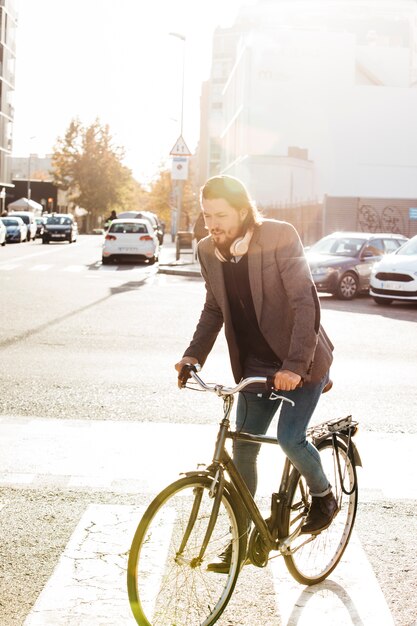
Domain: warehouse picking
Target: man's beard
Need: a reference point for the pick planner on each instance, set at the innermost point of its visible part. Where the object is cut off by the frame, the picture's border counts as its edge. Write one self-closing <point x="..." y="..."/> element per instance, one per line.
<point x="224" y="246"/>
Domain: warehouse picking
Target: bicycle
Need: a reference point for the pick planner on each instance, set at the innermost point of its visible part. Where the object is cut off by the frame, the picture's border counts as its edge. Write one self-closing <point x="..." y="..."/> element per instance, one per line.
<point x="202" y="513"/>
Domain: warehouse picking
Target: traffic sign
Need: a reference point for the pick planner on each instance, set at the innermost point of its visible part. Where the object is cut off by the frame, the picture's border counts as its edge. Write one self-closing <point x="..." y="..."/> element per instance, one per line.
<point x="180" y="148"/>
<point x="179" y="168"/>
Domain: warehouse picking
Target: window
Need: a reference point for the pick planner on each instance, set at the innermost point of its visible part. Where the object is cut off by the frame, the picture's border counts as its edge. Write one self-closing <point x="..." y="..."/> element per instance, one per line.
<point x="129" y="228"/>
<point x="391" y="245"/>
<point x="375" y="248"/>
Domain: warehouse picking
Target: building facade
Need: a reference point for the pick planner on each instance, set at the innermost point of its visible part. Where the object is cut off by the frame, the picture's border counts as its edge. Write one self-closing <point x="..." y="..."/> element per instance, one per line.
<point x="8" y="23"/>
<point x="320" y="99"/>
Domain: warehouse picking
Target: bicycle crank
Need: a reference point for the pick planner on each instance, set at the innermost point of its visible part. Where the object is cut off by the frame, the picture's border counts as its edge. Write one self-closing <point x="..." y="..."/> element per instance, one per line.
<point x="257" y="550"/>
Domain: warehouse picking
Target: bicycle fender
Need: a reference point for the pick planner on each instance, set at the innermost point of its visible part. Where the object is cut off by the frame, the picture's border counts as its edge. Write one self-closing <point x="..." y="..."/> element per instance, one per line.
<point x="353" y="450"/>
<point x="210" y="475"/>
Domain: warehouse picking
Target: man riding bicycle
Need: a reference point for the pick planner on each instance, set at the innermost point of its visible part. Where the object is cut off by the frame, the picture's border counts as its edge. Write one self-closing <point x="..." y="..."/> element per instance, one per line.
<point x="258" y="284"/>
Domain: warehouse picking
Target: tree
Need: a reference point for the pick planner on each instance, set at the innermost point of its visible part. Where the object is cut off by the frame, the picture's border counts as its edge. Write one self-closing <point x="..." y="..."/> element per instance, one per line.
<point x="159" y="197"/>
<point x="160" y="200"/>
<point x="87" y="165"/>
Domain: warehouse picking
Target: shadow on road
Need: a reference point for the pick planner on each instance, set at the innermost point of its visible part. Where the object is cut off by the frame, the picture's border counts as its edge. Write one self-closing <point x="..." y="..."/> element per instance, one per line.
<point x="6" y="343"/>
<point x="406" y="311"/>
<point x="328" y="586"/>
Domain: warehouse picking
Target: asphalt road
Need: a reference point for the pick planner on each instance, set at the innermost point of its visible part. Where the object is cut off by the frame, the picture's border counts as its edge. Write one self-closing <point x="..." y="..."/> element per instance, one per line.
<point x="81" y="343"/>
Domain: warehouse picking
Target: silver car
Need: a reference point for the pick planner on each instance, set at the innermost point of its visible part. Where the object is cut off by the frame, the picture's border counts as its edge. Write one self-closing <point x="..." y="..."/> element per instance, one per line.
<point x="341" y="263"/>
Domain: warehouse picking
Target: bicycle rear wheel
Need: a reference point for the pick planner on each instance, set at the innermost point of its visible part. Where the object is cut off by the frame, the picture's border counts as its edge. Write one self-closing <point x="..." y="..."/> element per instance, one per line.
<point x="313" y="557"/>
<point x="168" y="584"/>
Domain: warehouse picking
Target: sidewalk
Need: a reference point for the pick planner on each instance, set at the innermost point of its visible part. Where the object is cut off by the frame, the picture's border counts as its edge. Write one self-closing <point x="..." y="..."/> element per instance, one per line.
<point x="186" y="264"/>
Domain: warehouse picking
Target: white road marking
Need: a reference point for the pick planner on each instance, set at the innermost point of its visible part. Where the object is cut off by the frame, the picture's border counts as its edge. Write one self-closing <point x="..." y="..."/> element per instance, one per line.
<point x="16" y="478"/>
<point x="88" y="586"/>
<point x="125" y="458"/>
<point x="25" y="257"/>
<point x="74" y="268"/>
<point x="350" y="596"/>
<point x="40" y="268"/>
<point x="98" y="271"/>
<point x="9" y="266"/>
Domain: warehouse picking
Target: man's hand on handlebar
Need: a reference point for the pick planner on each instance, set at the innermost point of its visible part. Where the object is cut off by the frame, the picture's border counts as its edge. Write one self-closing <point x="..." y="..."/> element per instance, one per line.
<point x="284" y="380"/>
<point x="183" y="371"/>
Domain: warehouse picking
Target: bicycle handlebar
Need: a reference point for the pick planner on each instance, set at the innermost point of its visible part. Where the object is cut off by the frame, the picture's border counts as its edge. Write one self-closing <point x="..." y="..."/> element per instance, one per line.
<point x="190" y="371"/>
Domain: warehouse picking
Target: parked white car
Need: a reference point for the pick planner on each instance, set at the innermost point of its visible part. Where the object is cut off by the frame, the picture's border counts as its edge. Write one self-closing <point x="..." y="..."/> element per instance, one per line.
<point x="395" y="276"/>
<point x="29" y="219"/>
<point x="130" y="240"/>
<point x="146" y="215"/>
<point x="3" y="233"/>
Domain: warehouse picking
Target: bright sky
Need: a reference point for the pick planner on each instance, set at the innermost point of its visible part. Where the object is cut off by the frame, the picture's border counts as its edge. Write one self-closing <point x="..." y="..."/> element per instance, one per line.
<point x="117" y="61"/>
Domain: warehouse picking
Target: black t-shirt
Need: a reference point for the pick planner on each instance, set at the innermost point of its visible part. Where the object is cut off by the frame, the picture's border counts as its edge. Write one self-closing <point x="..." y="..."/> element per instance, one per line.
<point x="250" y="340"/>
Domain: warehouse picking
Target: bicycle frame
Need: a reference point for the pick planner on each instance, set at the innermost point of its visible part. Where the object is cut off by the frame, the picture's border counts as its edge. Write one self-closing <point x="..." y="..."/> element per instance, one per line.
<point x="223" y="461"/>
<point x="172" y="575"/>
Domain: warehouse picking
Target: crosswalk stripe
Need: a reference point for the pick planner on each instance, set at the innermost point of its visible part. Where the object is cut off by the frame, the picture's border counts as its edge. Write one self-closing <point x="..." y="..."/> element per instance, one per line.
<point x="350" y="595"/>
<point x="40" y="268"/>
<point x="63" y="453"/>
<point x="74" y="268"/>
<point x="9" y="266"/>
<point x="88" y="585"/>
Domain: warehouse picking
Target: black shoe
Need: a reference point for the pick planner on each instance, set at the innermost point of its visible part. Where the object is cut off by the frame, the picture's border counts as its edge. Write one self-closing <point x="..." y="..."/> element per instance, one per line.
<point x="222" y="564"/>
<point x="321" y="514"/>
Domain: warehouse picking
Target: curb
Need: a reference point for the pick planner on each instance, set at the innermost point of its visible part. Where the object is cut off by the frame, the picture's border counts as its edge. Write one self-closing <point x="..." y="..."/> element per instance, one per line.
<point x="179" y="271"/>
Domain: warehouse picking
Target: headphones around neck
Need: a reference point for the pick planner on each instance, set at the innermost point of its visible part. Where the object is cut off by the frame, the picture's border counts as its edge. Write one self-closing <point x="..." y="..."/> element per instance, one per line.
<point x="239" y="247"/>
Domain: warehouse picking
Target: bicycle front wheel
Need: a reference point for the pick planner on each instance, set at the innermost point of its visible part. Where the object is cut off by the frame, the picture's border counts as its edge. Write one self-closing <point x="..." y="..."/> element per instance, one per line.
<point x="312" y="557"/>
<point x="168" y="580"/>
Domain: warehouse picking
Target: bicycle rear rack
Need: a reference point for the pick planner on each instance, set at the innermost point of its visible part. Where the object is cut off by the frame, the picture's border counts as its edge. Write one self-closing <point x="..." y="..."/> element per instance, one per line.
<point x="340" y="425"/>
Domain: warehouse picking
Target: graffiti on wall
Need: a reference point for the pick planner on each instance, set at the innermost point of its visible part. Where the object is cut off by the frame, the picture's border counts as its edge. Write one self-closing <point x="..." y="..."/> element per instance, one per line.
<point x="387" y="220"/>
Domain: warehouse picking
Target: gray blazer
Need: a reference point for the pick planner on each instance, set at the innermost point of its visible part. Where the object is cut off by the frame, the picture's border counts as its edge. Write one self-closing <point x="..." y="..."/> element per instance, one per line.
<point x="285" y="300"/>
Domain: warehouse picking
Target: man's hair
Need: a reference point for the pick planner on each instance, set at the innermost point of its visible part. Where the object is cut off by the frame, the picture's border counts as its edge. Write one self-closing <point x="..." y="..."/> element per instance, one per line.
<point x="235" y="193"/>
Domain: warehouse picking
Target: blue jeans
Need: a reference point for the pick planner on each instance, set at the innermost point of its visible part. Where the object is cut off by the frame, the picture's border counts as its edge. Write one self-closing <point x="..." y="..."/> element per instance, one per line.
<point x="254" y="415"/>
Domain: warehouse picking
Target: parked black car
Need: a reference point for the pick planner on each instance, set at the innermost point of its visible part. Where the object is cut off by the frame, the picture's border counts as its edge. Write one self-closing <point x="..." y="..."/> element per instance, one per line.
<point x="60" y="227"/>
<point x="341" y="263"/>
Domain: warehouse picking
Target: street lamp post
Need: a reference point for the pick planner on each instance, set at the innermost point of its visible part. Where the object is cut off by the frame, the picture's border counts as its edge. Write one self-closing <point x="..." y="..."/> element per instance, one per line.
<point x="29" y="189"/>
<point x="29" y="163"/>
<point x="3" y="200"/>
<point x="182" y="37"/>
<point x="179" y="183"/>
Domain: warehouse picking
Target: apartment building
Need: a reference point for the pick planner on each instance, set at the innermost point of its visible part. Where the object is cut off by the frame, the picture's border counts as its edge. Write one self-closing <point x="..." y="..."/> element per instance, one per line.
<point x="309" y="98"/>
<point x="8" y="23"/>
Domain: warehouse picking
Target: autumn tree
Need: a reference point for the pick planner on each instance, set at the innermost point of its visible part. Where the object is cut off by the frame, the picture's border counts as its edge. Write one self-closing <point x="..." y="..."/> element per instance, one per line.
<point x="87" y="165"/>
<point x="161" y="199"/>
